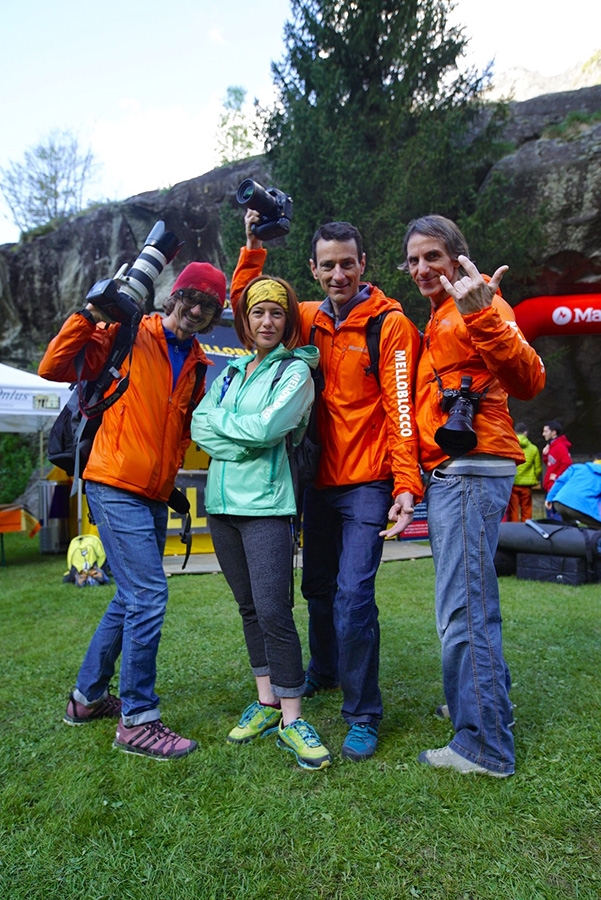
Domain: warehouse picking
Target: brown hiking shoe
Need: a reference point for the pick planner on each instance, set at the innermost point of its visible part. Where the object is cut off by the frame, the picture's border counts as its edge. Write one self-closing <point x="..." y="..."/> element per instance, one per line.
<point x="152" y="739"/>
<point x="108" y="707"/>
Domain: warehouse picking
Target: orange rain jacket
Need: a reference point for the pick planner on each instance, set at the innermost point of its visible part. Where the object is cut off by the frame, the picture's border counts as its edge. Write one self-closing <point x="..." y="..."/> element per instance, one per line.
<point x="489" y="346"/>
<point x="368" y="433"/>
<point x="141" y="442"/>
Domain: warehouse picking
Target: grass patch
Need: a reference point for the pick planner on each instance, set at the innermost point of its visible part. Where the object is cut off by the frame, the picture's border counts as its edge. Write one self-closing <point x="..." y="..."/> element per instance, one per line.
<point x="79" y="820"/>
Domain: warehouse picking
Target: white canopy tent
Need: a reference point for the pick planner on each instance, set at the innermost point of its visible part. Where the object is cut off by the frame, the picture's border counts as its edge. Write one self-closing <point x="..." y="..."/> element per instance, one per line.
<point x="29" y="403"/>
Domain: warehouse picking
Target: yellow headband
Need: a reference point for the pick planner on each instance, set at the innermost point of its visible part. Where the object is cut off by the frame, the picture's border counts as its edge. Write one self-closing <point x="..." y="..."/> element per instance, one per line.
<point x="267" y="292"/>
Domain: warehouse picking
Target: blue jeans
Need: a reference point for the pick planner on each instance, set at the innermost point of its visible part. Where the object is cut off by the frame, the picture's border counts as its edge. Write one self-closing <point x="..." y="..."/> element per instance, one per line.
<point x="133" y="530"/>
<point x="341" y="554"/>
<point x="464" y="514"/>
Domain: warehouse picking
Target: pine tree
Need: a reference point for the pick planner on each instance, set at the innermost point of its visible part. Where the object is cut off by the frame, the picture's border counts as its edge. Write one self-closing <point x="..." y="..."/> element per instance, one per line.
<point x="374" y="125"/>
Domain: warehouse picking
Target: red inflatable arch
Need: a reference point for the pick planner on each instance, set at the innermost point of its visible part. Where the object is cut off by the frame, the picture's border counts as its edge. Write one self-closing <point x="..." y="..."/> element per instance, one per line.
<point x="558" y="315"/>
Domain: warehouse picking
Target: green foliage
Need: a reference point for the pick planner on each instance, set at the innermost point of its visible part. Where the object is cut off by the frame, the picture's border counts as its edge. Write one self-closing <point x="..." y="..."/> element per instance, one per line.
<point x="231" y="232"/>
<point x="48" y="186"/>
<point x="376" y="125"/>
<point x="500" y="233"/>
<point x="78" y="819"/>
<point x="365" y="92"/>
<point x="573" y="124"/>
<point x="236" y="135"/>
<point x="17" y="460"/>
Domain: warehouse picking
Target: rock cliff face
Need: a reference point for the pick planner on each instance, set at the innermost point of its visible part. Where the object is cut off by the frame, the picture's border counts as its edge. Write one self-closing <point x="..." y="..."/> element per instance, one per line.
<point x="44" y="280"/>
<point x="556" y="163"/>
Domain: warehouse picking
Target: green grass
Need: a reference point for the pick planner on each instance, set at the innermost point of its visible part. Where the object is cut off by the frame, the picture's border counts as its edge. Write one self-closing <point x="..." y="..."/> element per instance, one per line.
<point x="79" y="820"/>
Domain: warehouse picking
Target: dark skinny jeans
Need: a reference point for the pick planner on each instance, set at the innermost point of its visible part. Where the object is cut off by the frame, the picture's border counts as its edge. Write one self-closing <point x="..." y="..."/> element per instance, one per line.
<point x="255" y="555"/>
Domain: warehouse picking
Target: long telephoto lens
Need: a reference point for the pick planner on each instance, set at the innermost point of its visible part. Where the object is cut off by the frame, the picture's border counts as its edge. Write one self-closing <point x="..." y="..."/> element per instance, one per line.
<point x="160" y="248"/>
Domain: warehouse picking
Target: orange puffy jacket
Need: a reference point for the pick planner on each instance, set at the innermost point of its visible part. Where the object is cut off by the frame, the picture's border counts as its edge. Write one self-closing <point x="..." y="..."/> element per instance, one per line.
<point x="141" y="442"/>
<point x="489" y="346"/>
<point x="367" y="432"/>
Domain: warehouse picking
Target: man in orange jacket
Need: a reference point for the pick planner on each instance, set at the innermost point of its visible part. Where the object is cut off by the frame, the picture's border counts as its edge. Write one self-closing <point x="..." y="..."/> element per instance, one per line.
<point x="473" y="356"/>
<point x="369" y="461"/>
<point x="129" y="477"/>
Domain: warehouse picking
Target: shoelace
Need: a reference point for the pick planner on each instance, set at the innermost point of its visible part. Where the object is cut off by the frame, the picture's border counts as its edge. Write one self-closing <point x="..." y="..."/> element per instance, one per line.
<point x="441" y="752"/>
<point x="153" y="733"/>
<point x="249" y="713"/>
<point x="306" y="732"/>
<point x="109" y="705"/>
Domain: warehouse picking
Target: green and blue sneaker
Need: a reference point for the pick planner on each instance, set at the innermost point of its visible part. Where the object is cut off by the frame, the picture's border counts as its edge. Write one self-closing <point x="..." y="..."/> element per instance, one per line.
<point x="255" y="722"/>
<point x="360" y="742"/>
<point x="301" y="739"/>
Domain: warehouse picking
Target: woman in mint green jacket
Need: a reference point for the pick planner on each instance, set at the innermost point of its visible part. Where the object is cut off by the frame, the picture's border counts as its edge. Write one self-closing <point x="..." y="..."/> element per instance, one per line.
<point x="242" y="424"/>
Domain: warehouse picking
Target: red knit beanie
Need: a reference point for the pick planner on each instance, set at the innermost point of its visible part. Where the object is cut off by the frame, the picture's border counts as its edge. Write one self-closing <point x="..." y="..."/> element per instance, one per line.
<point x="202" y="276"/>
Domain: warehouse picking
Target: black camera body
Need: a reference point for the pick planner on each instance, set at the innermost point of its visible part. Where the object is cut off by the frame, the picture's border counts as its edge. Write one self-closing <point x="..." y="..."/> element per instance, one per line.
<point x="274" y="207"/>
<point x="123" y="296"/>
<point x="457" y="437"/>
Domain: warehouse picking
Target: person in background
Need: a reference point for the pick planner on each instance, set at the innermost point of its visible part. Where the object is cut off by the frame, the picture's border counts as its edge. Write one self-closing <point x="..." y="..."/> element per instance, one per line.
<point x="368" y="473"/>
<point x="556" y="453"/>
<point x="129" y="477"/>
<point x="469" y="450"/>
<point x="527" y="476"/>
<point x="242" y="424"/>
<point x="576" y="494"/>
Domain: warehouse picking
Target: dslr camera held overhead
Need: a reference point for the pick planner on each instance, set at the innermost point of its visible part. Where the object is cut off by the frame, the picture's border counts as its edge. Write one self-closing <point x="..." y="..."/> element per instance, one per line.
<point x="274" y="207"/>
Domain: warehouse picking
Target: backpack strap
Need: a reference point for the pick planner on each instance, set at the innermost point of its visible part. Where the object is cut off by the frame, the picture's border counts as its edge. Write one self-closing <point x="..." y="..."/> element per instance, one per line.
<point x="123" y="346"/>
<point x="374" y="327"/>
<point x="226" y="383"/>
<point x="178" y="501"/>
<point x="98" y="404"/>
<point x="201" y="371"/>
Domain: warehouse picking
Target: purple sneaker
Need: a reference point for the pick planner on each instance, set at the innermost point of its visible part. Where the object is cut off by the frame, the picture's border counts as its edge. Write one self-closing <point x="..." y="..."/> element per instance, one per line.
<point x="152" y="739"/>
<point x="108" y="707"/>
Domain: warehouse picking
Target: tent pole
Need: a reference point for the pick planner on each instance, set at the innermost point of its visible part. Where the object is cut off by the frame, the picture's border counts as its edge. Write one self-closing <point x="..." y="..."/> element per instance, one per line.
<point x="41" y="452"/>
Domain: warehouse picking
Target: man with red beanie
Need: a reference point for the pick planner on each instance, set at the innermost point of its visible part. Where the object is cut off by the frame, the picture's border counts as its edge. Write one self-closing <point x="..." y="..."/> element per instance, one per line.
<point x="129" y="477"/>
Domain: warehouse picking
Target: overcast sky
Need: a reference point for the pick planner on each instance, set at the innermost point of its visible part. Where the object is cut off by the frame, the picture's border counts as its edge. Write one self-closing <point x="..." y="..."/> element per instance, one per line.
<point x="142" y="82"/>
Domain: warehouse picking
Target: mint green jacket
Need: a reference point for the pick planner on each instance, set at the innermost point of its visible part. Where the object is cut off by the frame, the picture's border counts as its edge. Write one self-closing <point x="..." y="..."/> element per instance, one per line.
<point x="244" y="432"/>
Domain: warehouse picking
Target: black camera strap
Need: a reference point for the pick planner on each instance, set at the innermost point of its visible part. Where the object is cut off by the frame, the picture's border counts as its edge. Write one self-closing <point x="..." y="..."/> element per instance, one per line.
<point x="94" y="408"/>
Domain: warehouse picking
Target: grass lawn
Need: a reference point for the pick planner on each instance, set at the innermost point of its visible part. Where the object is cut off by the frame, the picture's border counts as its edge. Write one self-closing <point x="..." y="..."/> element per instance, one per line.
<point x="80" y="820"/>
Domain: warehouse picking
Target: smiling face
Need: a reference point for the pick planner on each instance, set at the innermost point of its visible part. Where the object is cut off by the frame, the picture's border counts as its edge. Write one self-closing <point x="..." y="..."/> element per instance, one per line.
<point x="338" y="270"/>
<point x="428" y="259"/>
<point x="192" y="313"/>
<point x="267" y="323"/>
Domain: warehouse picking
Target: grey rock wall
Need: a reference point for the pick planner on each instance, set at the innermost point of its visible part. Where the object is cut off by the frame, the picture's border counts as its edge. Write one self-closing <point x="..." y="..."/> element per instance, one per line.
<point x="43" y="280"/>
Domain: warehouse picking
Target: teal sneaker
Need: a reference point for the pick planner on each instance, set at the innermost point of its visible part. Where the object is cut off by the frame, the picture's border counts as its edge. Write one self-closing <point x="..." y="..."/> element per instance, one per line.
<point x="360" y="742"/>
<point x="301" y="739"/>
<point x="256" y="721"/>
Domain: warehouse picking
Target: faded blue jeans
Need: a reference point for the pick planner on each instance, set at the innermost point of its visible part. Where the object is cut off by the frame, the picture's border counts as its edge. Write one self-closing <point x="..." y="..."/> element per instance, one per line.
<point x="133" y="530"/>
<point x="464" y="514"/>
<point x="341" y="554"/>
